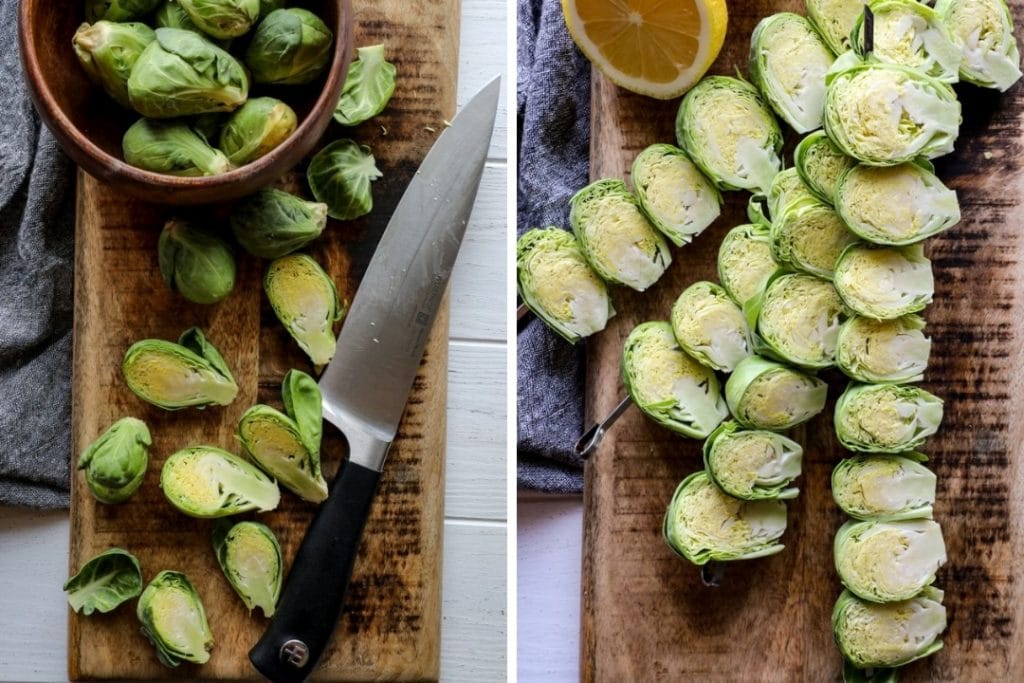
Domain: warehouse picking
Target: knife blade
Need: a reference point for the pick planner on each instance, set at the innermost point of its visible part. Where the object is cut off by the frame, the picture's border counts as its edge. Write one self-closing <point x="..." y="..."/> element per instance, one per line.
<point x="367" y="383"/>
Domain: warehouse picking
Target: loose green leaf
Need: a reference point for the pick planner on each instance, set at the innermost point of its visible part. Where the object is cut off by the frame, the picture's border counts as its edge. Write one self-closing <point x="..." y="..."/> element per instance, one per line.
<point x="368" y="87"/>
<point x="339" y="175"/>
<point x="104" y="582"/>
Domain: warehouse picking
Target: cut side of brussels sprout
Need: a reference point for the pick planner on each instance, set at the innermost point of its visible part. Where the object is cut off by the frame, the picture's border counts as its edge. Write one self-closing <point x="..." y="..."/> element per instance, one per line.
<point x="171" y="147"/>
<point x="368" y="87"/>
<point x="711" y="327"/>
<point x="108" y="51"/>
<point x="704" y="524"/>
<point x="557" y="284"/>
<point x="893" y="351"/>
<point x="290" y="46"/>
<point x="256" y="128"/>
<point x="274" y="442"/>
<point x="208" y="482"/>
<point x="809" y="236"/>
<point x="892" y="634"/>
<point x="763" y="394"/>
<point x="820" y="164"/>
<point x="195" y="263"/>
<point x="835" y="20"/>
<point x="786" y="188"/>
<point x="752" y="464"/>
<point x="910" y="33"/>
<point x="172" y="376"/>
<point x="174" y="621"/>
<point x="306" y="302"/>
<point x="272" y="223"/>
<point x="798" y="320"/>
<point x="884" y="487"/>
<point x="115" y="464"/>
<point x="888" y="561"/>
<point x="745" y="262"/>
<point x="886" y="418"/>
<point x="250" y="557"/>
<point x="884" y="282"/>
<point x="340" y="176"/>
<point x="674" y="194"/>
<point x="668" y="385"/>
<point x="983" y="29"/>
<point x="222" y="18"/>
<point x="104" y="582"/>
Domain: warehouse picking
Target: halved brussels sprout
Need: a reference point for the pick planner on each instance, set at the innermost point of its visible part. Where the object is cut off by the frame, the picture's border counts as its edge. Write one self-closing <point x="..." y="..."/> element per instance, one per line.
<point x="289" y="47"/>
<point x="104" y="582"/>
<point x="250" y="557"/>
<point x="983" y="29"/>
<point x="884" y="487"/>
<point x="108" y="51"/>
<point x="675" y="196"/>
<point x="209" y="482"/>
<point x="339" y="175"/>
<point x="835" y="20"/>
<point x="730" y="133"/>
<point x="910" y="33"/>
<point x="171" y="147"/>
<point x="174" y="621"/>
<point x="788" y="62"/>
<point x="786" y="188"/>
<point x="368" y="87"/>
<point x="895" y="205"/>
<point x="306" y="302"/>
<point x="820" y="165"/>
<point x="809" y="236"/>
<point x="557" y="284"/>
<point x="171" y="376"/>
<point x="115" y="464"/>
<point x="222" y="18"/>
<point x="256" y="128"/>
<point x="615" y="236"/>
<point x="885" y="114"/>
<point x="668" y="385"/>
<point x="884" y="282"/>
<point x="893" y="351"/>
<point x="118" y="10"/>
<point x="798" y="319"/>
<point x="704" y="524"/>
<point x="195" y="263"/>
<point x="711" y="327"/>
<point x="888" y="561"/>
<point x="891" y="634"/>
<point x="886" y="418"/>
<point x="763" y="394"/>
<point x="745" y="262"/>
<point x="752" y="464"/>
<point x="272" y="223"/>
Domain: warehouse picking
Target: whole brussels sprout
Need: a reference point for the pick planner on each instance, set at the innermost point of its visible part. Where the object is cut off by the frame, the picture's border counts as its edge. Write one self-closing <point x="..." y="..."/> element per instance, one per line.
<point x="888" y="561"/>
<point x="835" y="20"/>
<point x="368" y="87"/>
<point x="208" y="482"/>
<point x="108" y="51"/>
<point x="115" y="464"/>
<point x="886" y="418"/>
<point x="983" y="29"/>
<point x="912" y="34"/>
<point x="306" y="302"/>
<point x="170" y="14"/>
<point x="809" y="236"/>
<point x="290" y="47"/>
<point x="174" y="621"/>
<point x="104" y="582"/>
<point x="766" y="395"/>
<point x="195" y="263"/>
<point x="798" y="320"/>
<point x="250" y="557"/>
<point x="745" y="263"/>
<point x="339" y="175"/>
<point x="752" y="464"/>
<point x="891" y="634"/>
<point x="256" y="128"/>
<point x="222" y="18"/>
<point x="710" y="327"/>
<point x="118" y="10"/>
<point x="894" y="351"/>
<point x="675" y="196"/>
<point x="171" y="376"/>
<point x="273" y="223"/>
<point x="884" y="487"/>
<point x="171" y="147"/>
<point x="884" y="282"/>
<point x="820" y="164"/>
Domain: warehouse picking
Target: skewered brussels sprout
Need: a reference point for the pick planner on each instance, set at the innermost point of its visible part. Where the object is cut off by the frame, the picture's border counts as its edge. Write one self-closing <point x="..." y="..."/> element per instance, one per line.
<point x="752" y="464"/>
<point x="171" y="376"/>
<point x="256" y="128"/>
<point x="250" y="557"/>
<point x="711" y="327"/>
<point x="617" y="240"/>
<point x="668" y="385"/>
<point x="835" y="20"/>
<point x="729" y="132"/>
<point x="983" y="29"/>
<point x="786" y="188"/>
<point x="894" y="351"/>
<point x="892" y="634"/>
<point x="895" y="205"/>
<point x="675" y="196"/>
<point x="888" y="561"/>
<point x="704" y="524"/>
<point x="884" y="487"/>
<point x="290" y="47"/>
<point x="556" y="283"/>
<point x="798" y="319"/>
<point x="306" y="302"/>
<point x="272" y="223"/>
<point x="195" y="263"/>
<point x="368" y="87"/>
<point x="339" y="175"/>
<point x="809" y="236"/>
<point x="208" y="482"/>
<point x="884" y="282"/>
<point x="174" y="621"/>
<point x="910" y="33"/>
<point x="788" y="62"/>
<point x="181" y="73"/>
<point x="820" y="165"/>
<point x="104" y="582"/>
<point x="766" y="395"/>
<point x="108" y="51"/>
<point x="115" y="464"/>
<point x="745" y="262"/>
<point x="118" y="10"/>
<point x="222" y="18"/>
<point x="886" y="418"/>
<point x="171" y="147"/>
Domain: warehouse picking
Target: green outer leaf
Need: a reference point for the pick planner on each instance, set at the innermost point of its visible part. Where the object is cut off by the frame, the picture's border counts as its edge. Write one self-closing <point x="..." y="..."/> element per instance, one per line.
<point x="195" y="341"/>
<point x="938" y="55"/>
<point x="256" y="128"/>
<point x="222" y="18"/>
<point x="108" y="51"/>
<point x="104" y="582"/>
<point x="757" y="209"/>
<point x="171" y="148"/>
<point x="803" y="404"/>
<point x="998" y="67"/>
<point x="673" y="193"/>
<point x="858" y="344"/>
<point x="285" y="456"/>
<point x="303" y="403"/>
<point x="852" y="559"/>
<point x="368" y="87"/>
<point x="118" y="10"/>
<point x="209" y="482"/>
<point x="746" y="251"/>
<point x="693" y="316"/>
<point x="289" y="47"/>
<point x="851" y="608"/>
<point x="272" y="223"/>
<point x="198" y="628"/>
<point x="834" y="20"/>
<point x="785" y="189"/>
<point x="195" y="263"/>
<point x="339" y="175"/>
<point x="860" y="402"/>
<point x="855" y="286"/>
<point x="115" y="463"/>
<point x="820" y="164"/>
<point x="225" y="533"/>
<point x="714" y="462"/>
<point x="850" y="486"/>
<point x="314" y="336"/>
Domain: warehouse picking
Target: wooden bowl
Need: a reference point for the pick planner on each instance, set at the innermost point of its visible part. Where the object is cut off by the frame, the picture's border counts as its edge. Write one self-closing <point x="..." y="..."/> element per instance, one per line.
<point x="89" y="125"/>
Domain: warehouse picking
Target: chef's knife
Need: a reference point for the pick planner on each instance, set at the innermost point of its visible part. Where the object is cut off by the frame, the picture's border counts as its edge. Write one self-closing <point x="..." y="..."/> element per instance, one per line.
<point x="366" y="385"/>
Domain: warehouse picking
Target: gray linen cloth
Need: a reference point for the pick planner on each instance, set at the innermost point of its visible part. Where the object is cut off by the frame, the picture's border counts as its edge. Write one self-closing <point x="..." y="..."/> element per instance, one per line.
<point x="36" y="271"/>
<point x="553" y="99"/>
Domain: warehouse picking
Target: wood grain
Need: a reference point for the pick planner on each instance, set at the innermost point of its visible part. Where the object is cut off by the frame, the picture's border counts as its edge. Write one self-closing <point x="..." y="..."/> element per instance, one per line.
<point x="646" y="615"/>
<point x="391" y="627"/>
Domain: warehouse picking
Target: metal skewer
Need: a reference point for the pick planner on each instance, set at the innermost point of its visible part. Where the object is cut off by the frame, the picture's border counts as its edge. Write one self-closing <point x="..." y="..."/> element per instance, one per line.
<point x="591" y="439"/>
<point x="712" y="573"/>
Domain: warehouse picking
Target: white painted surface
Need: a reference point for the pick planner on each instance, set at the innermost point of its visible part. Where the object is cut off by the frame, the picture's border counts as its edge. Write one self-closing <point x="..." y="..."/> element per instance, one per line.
<point x="33" y="545"/>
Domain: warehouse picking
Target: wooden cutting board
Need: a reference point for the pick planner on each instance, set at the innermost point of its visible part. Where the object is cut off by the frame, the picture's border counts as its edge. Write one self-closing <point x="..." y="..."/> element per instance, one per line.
<point x="646" y="615"/>
<point x="391" y="626"/>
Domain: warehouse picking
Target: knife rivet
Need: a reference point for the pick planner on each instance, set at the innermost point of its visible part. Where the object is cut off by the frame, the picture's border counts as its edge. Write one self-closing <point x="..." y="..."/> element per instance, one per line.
<point x="295" y="653"/>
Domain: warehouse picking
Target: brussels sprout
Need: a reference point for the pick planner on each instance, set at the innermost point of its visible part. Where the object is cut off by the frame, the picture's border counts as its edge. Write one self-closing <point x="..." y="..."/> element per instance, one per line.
<point x="886" y="418"/>
<point x="222" y="18"/>
<point x="368" y="87"/>
<point x="704" y="524"/>
<point x="885" y="114"/>
<point x="884" y="487"/>
<point x="892" y="634"/>
<point x="306" y="302"/>
<point x="268" y="6"/>
<point x="271" y="224"/>
<point x="763" y="394"/>
<point x="895" y="205"/>
<point x="115" y="463"/>
<point x="808" y="235"/>
<point x="729" y="132"/>
<point x="340" y="175"/>
<point x="835" y="20"/>
<point x="170" y="14"/>
<point x="745" y="262"/>
<point x="617" y="240"/>
<point x="788" y="62"/>
<point x="208" y="482"/>
<point x="195" y="263"/>
<point x="171" y="376"/>
<point x="852" y="674"/>
<point x="118" y="10"/>
<point x="182" y="73"/>
<point x="820" y="164"/>
<point x="171" y="147"/>
<point x="710" y="327"/>
<point x="174" y="621"/>
<point x="888" y="561"/>
<point x="556" y="283"/>
<point x="250" y="557"/>
<point x="884" y="282"/>
<point x="786" y="188"/>
<point x="290" y="47"/>
<point x="208" y="126"/>
<point x="752" y="464"/>
<point x="668" y="385"/>
<point x="255" y="129"/>
<point x="104" y="582"/>
<point x="798" y="319"/>
<point x="983" y="29"/>
<point x="912" y="34"/>
<point x="894" y="351"/>
<point x="675" y="196"/>
<point x="108" y="51"/>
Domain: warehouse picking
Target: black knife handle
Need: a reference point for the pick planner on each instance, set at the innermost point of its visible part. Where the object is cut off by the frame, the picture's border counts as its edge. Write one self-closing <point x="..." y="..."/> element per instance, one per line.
<point x="314" y="593"/>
